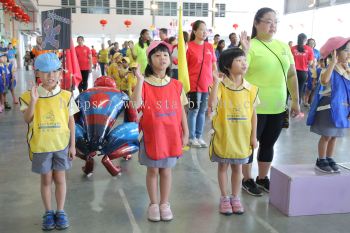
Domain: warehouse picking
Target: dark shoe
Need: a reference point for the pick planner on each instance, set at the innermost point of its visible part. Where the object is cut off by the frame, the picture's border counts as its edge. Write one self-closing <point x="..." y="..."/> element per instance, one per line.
<point x="264" y="184"/>
<point x="48" y="221"/>
<point x="61" y="220"/>
<point x="7" y="106"/>
<point x="250" y="187"/>
<point x="322" y="165"/>
<point x="333" y="165"/>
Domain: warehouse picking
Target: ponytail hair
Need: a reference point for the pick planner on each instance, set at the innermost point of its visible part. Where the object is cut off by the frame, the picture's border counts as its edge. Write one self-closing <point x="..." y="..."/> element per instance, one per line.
<point x="301" y="38"/>
<point x="195" y="26"/>
<point x="141" y="43"/>
<point x="259" y="14"/>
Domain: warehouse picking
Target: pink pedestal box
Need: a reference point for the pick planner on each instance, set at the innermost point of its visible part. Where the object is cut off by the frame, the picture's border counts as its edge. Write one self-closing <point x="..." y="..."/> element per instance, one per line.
<point x="298" y="190"/>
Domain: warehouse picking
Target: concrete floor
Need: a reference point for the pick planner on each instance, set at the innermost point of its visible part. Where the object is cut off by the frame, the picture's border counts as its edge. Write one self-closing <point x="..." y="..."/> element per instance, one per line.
<point x="103" y="203"/>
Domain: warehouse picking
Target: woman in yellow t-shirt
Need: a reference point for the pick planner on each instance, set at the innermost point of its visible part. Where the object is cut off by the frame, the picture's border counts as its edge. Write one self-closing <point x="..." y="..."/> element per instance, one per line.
<point x="103" y="58"/>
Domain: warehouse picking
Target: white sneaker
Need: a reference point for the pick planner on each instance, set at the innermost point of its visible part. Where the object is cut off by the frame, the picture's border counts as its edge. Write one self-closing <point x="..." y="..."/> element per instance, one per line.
<point x="194" y="143"/>
<point x="202" y="143"/>
<point x="165" y="212"/>
<point x="153" y="213"/>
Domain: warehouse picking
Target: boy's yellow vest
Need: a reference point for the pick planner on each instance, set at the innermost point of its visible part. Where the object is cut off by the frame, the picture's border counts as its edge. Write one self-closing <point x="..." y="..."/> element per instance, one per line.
<point x="232" y="123"/>
<point x="49" y="131"/>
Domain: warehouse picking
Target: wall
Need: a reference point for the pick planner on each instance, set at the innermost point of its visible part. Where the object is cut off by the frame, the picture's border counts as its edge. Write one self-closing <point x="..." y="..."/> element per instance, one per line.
<point x="88" y="24"/>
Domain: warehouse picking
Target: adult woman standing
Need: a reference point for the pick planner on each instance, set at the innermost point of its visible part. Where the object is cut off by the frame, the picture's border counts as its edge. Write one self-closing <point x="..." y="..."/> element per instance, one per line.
<point x="201" y="61"/>
<point x="272" y="70"/>
<point x="303" y="57"/>
<point x="139" y="50"/>
<point x="103" y="59"/>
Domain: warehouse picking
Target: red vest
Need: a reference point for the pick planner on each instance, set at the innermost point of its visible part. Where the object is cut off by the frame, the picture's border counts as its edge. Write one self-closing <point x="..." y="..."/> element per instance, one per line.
<point x="161" y="120"/>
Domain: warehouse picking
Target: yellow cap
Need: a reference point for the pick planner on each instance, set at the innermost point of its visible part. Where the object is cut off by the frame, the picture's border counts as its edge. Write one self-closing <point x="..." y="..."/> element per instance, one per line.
<point x="134" y="65"/>
<point x="126" y="59"/>
<point x="116" y="55"/>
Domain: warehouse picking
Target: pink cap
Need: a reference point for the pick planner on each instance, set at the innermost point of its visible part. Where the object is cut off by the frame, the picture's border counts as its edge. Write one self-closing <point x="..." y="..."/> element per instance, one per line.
<point x="332" y="44"/>
<point x="154" y="44"/>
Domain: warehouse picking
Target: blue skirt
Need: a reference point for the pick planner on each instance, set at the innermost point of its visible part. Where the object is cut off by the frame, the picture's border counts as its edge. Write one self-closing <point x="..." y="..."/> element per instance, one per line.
<point x="12" y="84"/>
<point x="323" y="124"/>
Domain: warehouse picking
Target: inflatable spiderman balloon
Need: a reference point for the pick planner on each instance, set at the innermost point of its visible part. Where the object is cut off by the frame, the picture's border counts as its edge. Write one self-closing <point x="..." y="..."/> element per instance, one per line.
<point x="98" y="130"/>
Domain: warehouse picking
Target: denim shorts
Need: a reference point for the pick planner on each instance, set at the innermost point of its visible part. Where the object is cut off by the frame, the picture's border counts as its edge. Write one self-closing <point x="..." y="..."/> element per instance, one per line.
<point x="43" y="163"/>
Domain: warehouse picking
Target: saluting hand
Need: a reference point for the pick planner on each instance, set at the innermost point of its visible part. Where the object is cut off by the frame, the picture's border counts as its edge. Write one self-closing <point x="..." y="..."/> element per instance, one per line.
<point x="245" y="41"/>
<point x="138" y="74"/>
<point x="34" y="93"/>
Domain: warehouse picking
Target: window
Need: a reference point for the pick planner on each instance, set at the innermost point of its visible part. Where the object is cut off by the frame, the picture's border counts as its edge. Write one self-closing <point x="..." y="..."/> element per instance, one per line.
<point x="221" y="10"/>
<point x="95" y="6"/>
<point x="127" y="7"/>
<point x="195" y="9"/>
<point x="166" y="9"/>
<point x="69" y="3"/>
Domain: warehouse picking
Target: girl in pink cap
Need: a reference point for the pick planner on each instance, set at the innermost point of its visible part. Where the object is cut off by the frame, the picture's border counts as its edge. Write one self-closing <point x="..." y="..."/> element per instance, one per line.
<point x="329" y="114"/>
<point x="163" y="124"/>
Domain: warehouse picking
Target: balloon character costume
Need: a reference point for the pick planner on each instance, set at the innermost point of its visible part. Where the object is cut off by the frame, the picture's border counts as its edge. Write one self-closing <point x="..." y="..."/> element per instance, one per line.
<point x="98" y="130"/>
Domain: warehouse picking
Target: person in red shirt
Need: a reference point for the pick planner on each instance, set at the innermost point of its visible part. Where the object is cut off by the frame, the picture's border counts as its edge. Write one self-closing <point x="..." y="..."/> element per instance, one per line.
<point x="303" y="57"/>
<point x="85" y="62"/>
<point x="94" y="56"/>
<point x="201" y="62"/>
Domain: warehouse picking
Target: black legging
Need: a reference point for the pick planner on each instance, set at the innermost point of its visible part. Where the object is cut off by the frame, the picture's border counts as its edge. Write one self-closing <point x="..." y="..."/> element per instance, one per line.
<point x="302" y="76"/>
<point x="102" y="66"/>
<point x="268" y="130"/>
<point x="84" y="82"/>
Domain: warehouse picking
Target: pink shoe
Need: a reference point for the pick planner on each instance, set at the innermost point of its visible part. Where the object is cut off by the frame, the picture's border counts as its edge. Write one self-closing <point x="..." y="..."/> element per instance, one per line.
<point x="153" y="213"/>
<point x="1" y="109"/>
<point x="237" y="207"/>
<point x="225" y="206"/>
<point x="165" y="212"/>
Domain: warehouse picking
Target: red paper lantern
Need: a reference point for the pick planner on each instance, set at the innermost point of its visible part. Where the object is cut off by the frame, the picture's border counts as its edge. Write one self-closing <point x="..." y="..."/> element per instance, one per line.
<point x="103" y="22"/>
<point x="127" y="23"/>
<point x="235" y="26"/>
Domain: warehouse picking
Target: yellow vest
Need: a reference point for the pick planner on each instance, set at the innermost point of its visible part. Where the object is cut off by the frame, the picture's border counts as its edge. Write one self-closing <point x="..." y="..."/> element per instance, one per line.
<point x="232" y="123"/>
<point x="49" y="131"/>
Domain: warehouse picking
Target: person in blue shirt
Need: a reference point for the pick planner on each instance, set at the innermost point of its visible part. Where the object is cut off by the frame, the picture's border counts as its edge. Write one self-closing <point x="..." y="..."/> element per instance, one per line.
<point x="312" y="43"/>
<point x="2" y="48"/>
<point x="11" y="55"/>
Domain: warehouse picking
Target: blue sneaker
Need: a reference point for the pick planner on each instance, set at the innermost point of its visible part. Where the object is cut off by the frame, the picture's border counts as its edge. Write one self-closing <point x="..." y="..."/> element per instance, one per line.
<point x="333" y="165"/>
<point x="322" y="165"/>
<point x="48" y="221"/>
<point x="61" y="220"/>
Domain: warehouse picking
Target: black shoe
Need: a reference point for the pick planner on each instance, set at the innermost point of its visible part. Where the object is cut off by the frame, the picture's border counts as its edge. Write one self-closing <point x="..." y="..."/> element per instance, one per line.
<point x="264" y="184"/>
<point x="333" y="165"/>
<point x="7" y="106"/>
<point x="322" y="165"/>
<point x="250" y="187"/>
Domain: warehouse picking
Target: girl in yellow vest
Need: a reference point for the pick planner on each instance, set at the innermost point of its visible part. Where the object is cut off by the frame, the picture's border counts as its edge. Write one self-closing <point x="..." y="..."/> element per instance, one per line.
<point x="234" y="125"/>
<point x="49" y="111"/>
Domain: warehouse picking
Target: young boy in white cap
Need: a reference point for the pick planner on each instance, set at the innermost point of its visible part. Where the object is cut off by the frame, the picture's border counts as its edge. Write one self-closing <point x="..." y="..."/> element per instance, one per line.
<point x="49" y="111"/>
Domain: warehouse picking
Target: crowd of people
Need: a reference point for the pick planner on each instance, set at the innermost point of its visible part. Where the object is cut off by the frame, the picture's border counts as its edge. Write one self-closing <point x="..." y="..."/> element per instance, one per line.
<point x="8" y="66"/>
<point x="245" y="89"/>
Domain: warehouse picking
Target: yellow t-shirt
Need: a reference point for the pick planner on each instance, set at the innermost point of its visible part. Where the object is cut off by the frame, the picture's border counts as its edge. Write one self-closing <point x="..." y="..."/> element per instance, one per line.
<point x="129" y="55"/>
<point x="266" y="73"/>
<point x="103" y="56"/>
<point x="112" y="71"/>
